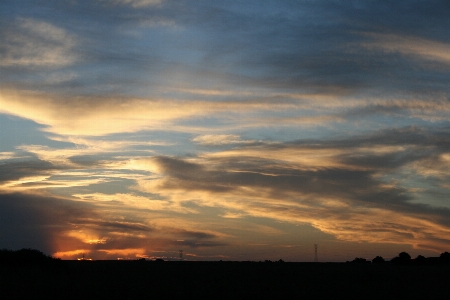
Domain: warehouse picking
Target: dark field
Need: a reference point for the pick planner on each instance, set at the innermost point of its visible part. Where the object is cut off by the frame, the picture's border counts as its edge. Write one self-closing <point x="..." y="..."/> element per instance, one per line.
<point x="224" y="280"/>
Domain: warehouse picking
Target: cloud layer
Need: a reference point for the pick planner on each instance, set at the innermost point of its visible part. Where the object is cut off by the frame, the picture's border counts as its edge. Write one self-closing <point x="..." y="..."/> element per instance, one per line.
<point x="231" y="130"/>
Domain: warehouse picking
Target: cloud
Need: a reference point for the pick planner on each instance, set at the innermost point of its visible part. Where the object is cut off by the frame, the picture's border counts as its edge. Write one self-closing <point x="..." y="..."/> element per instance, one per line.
<point x="68" y="228"/>
<point x="35" y="174"/>
<point x="74" y="119"/>
<point x="37" y="44"/>
<point x="112" y="225"/>
<point x="200" y="235"/>
<point x="139" y="3"/>
<point x="108" y="115"/>
<point x="7" y="155"/>
<point x="32" y="221"/>
<point x="416" y="47"/>
<point x="186" y="123"/>
<point x="346" y="195"/>
<point x="100" y="116"/>
<point x="16" y="169"/>
<point x="231" y="215"/>
<point x="219" y="139"/>
<point x="129" y="201"/>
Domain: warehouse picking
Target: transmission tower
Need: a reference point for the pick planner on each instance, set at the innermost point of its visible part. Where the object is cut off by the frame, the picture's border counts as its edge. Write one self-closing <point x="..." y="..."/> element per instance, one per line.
<point x="316" y="259"/>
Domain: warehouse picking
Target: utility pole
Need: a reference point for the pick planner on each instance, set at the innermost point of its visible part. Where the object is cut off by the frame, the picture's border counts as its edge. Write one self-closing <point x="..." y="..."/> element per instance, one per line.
<point x="316" y="259"/>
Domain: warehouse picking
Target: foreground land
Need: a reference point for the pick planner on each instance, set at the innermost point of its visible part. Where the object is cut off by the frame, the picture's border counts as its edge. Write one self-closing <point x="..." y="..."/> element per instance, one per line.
<point x="225" y="280"/>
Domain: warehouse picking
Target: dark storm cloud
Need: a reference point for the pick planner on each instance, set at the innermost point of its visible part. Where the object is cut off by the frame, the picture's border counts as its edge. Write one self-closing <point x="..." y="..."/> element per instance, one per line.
<point x="32" y="221"/>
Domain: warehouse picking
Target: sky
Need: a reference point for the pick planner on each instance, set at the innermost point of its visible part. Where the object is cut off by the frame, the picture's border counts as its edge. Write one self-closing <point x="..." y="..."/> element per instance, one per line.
<point x="229" y="130"/>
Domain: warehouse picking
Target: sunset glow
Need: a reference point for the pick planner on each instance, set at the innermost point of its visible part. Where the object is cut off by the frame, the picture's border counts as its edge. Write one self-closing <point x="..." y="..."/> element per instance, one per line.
<point x="230" y="130"/>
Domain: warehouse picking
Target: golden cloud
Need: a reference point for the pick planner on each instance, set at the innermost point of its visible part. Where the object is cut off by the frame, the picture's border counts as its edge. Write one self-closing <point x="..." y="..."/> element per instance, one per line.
<point x="89" y="116"/>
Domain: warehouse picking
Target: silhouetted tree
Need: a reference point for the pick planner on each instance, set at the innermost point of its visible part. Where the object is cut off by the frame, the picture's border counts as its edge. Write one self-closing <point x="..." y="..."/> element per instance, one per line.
<point x="25" y="256"/>
<point x="420" y="259"/>
<point x="359" y="260"/>
<point x="445" y="258"/>
<point x="402" y="258"/>
<point x="378" y="260"/>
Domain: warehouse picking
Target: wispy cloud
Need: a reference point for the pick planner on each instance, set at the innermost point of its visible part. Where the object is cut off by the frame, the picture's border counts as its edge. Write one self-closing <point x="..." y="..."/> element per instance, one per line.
<point x="34" y="43"/>
<point x="101" y="116"/>
<point x="341" y="196"/>
<point x="416" y="47"/>
<point x="138" y="3"/>
<point x="135" y="128"/>
<point x="219" y="139"/>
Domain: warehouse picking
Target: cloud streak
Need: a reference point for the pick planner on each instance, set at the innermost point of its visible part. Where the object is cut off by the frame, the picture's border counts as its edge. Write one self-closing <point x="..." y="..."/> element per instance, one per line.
<point x="345" y="196"/>
<point x="237" y="130"/>
<point x="37" y="44"/>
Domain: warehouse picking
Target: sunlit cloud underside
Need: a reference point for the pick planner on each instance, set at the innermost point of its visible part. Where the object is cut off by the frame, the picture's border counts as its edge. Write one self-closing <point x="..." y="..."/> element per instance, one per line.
<point x="229" y="131"/>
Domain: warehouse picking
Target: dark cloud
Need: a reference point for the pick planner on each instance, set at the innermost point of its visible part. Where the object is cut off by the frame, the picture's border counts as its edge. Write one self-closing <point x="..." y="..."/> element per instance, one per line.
<point x="194" y="239"/>
<point x="15" y="169"/>
<point x="346" y="183"/>
<point x="112" y="225"/>
<point x="265" y="191"/>
<point x="200" y="235"/>
<point x="437" y="139"/>
<point x="179" y="168"/>
<point x="197" y="244"/>
<point x="356" y="178"/>
<point x="313" y="45"/>
<point x="86" y="160"/>
<point x="32" y="221"/>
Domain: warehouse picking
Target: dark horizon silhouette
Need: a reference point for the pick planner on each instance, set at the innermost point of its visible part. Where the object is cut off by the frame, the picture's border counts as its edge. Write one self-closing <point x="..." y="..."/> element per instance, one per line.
<point x="30" y="273"/>
<point x="30" y="255"/>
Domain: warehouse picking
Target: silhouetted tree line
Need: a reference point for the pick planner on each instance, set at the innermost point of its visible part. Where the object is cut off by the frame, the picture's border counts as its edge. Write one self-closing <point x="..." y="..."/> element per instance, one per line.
<point x="29" y="256"/>
<point x="28" y="273"/>
<point x="404" y="258"/>
<point x="25" y="256"/>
